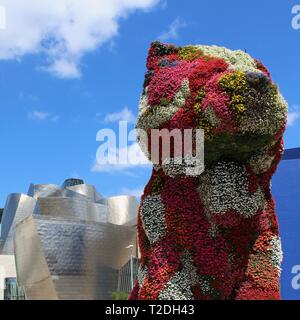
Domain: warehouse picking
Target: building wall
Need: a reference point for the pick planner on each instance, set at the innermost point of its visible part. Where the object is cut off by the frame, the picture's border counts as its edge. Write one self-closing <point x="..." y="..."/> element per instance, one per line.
<point x="17" y="208"/>
<point x="286" y="191"/>
<point x="73" y="259"/>
<point x="7" y="270"/>
<point x="69" y="242"/>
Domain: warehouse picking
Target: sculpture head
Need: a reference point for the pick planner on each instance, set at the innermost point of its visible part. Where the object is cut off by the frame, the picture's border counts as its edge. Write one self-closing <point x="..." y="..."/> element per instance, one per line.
<point x="228" y="94"/>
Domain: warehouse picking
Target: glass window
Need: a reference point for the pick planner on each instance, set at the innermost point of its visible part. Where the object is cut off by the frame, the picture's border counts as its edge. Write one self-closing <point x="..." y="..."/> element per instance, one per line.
<point x="12" y="291"/>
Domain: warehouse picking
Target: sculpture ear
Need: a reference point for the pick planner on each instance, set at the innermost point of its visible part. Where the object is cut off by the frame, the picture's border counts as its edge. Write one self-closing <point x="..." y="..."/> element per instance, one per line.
<point x="157" y="51"/>
<point x="160" y="49"/>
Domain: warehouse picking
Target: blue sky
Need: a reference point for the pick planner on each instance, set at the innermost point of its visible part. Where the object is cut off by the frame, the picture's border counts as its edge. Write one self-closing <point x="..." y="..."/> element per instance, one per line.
<point x="57" y="91"/>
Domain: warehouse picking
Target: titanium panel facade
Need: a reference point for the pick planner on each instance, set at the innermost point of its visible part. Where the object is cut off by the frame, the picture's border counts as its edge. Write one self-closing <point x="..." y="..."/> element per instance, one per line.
<point x="74" y="258"/>
<point x="17" y="208"/>
<point x="80" y="208"/>
<point x="69" y="242"/>
<point x="86" y="190"/>
<point x="122" y="210"/>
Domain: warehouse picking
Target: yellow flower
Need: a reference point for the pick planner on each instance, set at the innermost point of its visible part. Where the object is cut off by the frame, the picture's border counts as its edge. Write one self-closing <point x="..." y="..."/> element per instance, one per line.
<point x="197" y="108"/>
<point x="234" y="83"/>
<point x="189" y="53"/>
<point x="240" y="107"/>
<point x="201" y="95"/>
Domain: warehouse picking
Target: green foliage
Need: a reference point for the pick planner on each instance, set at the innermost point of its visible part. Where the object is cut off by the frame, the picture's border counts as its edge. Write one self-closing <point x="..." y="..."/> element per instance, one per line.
<point x="157" y="185"/>
<point x="164" y="102"/>
<point x="200" y="96"/>
<point x="119" y="295"/>
<point x="162" y="49"/>
<point x="238" y="148"/>
<point x="189" y="53"/>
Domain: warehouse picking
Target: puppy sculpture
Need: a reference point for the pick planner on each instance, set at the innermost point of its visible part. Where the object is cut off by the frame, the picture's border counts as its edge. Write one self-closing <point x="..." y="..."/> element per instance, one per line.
<point x="212" y="235"/>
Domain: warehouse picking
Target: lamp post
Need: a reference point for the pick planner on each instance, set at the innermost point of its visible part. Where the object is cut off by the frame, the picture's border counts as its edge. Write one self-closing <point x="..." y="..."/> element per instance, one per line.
<point x="131" y="264"/>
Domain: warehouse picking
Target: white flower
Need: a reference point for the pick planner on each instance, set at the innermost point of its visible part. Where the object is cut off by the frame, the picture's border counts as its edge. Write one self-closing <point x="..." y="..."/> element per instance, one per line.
<point x="211" y="117"/>
<point x="141" y="276"/>
<point x="187" y="165"/>
<point x="189" y="268"/>
<point x="225" y="187"/>
<point x="173" y="167"/>
<point x="151" y="117"/>
<point x="276" y="252"/>
<point x="153" y="217"/>
<point x="143" y="106"/>
<point x="177" y="288"/>
<point x="237" y="59"/>
<point x="182" y="94"/>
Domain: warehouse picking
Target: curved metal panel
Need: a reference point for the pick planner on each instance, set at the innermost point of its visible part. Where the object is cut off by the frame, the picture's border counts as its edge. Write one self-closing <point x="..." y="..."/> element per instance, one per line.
<point x="70" y="243"/>
<point x="43" y="190"/>
<point x="18" y="207"/>
<point x="97" y="212"/>
<point x="78" y="256"/>
<point x="32" y="269"/>
<point x="76" y="208"/>
<point x="87" y="190"/>
<point x="122" y="210"/>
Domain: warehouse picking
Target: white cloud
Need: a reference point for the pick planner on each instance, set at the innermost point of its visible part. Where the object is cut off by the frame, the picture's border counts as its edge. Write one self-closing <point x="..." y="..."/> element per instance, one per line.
<point x="173" y="29"/>
<point x="132" y="153"/>
<point x="123" y="115"/>
<point x="62" y="30"/>
<point x="293" y="115"/>
<point x="132" y="192"/>
<point x="42" y="116"/>
<point x="64" y="69"/>
<point x="2" y="18"/>
<point x="38" y="115"/>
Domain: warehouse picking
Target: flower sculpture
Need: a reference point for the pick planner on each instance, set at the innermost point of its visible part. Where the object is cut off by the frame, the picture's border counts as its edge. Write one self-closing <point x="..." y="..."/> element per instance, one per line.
<point x="213" y="235"/>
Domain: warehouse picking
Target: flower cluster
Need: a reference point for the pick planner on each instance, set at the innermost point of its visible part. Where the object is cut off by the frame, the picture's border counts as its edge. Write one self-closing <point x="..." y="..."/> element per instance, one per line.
<point x="213" y="235"/>
<point x="177" y="288"/>
<point x="226" y="188"/>
<point x="152" y="215"/>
